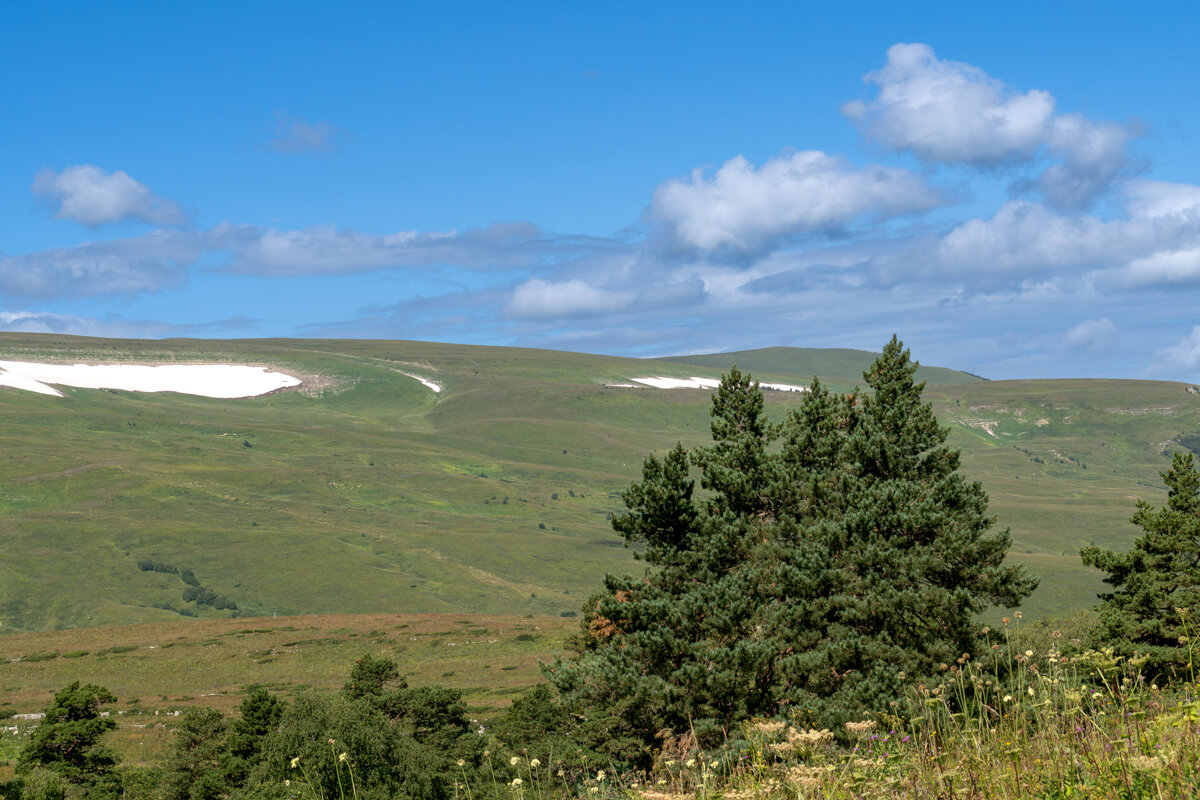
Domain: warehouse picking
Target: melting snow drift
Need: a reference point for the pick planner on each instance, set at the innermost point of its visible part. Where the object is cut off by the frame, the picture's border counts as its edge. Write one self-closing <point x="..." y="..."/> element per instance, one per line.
<point x="706" y="383"/>
<point x="205" y="380"/>
<point x="437" y="387"/>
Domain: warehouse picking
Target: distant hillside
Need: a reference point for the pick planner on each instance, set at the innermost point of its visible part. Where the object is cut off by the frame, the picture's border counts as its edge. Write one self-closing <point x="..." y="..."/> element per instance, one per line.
<point x="808" y="361"/>
<point x="365" y="491"/>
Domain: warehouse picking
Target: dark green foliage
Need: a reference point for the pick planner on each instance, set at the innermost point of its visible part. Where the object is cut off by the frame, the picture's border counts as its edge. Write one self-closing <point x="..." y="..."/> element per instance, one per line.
<point x="834" y="558"/>
<point x="539" y="726"/>
<point x="36" y="784"/>
<point x="373" y="677"/>
<point x="153" y="565"/>
<point x="260" y="714"/>
<point x="195" y="768"/>
<point x="67" y="740"/>
<point x="188" y="577"/>
<point x="400" y="742"/>
<point x="1156" y="585"/>
<point x="207" y="597"/>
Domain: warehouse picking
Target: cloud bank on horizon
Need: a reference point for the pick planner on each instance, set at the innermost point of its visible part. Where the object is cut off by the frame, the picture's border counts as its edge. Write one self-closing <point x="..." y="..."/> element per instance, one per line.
<point x="992" y="230"/>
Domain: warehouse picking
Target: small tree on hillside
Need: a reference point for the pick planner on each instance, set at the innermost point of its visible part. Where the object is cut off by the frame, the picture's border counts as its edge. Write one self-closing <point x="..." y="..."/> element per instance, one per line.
<point x="1156" y="585"/>
<point x="67" y="740"/>
<point x="195" y="766"/>
<point x="833" y="559"/>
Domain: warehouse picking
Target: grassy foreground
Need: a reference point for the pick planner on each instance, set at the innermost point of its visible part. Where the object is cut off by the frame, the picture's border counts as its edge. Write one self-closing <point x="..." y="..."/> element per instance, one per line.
<point x="1030" y="723"/>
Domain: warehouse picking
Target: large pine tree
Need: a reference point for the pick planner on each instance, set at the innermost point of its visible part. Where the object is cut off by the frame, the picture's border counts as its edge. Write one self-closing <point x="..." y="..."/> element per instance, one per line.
<point x="827" y="561"/>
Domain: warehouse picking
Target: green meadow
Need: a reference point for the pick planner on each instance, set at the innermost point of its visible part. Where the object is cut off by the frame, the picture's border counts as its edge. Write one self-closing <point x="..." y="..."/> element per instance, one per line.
<point x="364" y="492"/>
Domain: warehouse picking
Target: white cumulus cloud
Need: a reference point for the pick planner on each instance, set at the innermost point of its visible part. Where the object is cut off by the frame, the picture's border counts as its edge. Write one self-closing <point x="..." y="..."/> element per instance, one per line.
<point x="85" y="193"/>
<point x="743" y="210"/>
<point x="1145" y="198"/>
<point x="539" y="299"/>
<point x="955" y="113"/>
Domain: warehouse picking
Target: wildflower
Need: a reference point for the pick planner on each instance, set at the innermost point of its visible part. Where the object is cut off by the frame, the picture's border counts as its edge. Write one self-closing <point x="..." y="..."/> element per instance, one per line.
<point x="461" y="762"/>
<point x="487" y="753"/>
<point x="713" y="764"/>
<point x="516" y="782"/>
<point x="535" y="763"/>
<point x="331" y="741"/>
<point x="592" y="790"/>
<point x="691" y="762"/>
<point x="1018" y="614"/>
<point x="512" y="762"/>
<point x="286" y="782"/>
<point x="562" y="773"/>
<point x="342" y="758"/>
<point x="1030" y="691"/>
<point x="1005" y="620"/>
<point x="1029" y="654"/>
<point x="295" y="762"/>
<point x="600" y="775"/>
<point x="1008" y="698"/>
<point x="662" y="781"/>
<point x="986" y="630"/>
<point x="670" y="762"/>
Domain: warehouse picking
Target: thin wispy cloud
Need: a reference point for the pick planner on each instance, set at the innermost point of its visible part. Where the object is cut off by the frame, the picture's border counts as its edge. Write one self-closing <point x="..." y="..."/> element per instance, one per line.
<point x="298" y="135"/>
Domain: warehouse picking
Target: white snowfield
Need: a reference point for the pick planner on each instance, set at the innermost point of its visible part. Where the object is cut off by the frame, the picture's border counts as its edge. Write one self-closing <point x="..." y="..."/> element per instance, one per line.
<point x="205" y="380"/>
<point x="706" y="383"/>
<point x="437" y="387"/>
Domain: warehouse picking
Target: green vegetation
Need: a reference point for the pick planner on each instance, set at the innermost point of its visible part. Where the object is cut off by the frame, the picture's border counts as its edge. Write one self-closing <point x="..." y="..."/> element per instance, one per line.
<point x="367" y="492"/>
<point x="820" y="577"/>
<point x="67" y="740"/>
<point x="1157" y="583"/>
<point x="772" y="650"/>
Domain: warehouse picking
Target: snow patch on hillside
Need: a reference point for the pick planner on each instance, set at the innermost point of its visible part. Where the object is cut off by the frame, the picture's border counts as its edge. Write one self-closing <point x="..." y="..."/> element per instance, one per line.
<point x="437" y="387"/>
<point x="205" y="380"/>
<point x="659" y="382"/>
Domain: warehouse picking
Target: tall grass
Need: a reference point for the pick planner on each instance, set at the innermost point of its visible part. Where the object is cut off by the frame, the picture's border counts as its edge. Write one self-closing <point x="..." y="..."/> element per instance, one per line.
<point x="1022" y="722"/>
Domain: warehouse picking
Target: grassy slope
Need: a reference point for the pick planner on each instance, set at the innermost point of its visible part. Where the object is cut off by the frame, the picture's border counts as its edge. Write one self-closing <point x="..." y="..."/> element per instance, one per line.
<point x="828" y="363"/>
<point x="159" y="668"/>
<point x="376" y="495"/>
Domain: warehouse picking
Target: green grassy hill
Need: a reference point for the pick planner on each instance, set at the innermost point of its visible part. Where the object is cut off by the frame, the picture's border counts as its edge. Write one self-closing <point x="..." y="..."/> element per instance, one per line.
<point x="366" y="492"/>
<point x="804" y="361"/>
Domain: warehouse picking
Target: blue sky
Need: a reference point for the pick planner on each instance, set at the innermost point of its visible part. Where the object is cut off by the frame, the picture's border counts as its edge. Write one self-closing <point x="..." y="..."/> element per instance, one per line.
<point x="1013" y="189"/>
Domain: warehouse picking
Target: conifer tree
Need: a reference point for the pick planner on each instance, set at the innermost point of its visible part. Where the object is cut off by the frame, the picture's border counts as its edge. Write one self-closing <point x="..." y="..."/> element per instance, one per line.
<point x="1156" y="585"/>
<point x="811" y="580"/>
